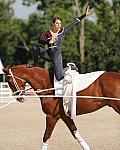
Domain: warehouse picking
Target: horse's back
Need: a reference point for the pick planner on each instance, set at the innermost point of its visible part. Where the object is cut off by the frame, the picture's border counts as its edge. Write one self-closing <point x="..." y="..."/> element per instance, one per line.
<point x="111" y="77"/>
<point x="110" y="82"/>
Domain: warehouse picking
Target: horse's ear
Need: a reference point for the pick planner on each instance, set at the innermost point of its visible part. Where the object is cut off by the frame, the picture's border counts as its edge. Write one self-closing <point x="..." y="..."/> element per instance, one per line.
<point x="5" y="70"/>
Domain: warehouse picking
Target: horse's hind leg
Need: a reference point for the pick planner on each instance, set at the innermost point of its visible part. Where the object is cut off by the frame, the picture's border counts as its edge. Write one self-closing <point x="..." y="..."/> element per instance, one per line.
<point x="50" y="124"/>
<point x="72" y="127"/>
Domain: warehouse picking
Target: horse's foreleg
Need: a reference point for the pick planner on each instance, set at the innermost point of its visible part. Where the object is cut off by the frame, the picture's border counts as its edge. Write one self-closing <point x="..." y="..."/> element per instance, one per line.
<point x="81" y="141"/>
<point x="72" y="127"/>
<point x="50" y="124"/>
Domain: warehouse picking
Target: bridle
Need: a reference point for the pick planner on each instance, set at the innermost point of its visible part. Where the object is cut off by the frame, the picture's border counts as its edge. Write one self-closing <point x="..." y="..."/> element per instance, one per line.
<point x="20" y="92"/>
<point x="18" y="89"/>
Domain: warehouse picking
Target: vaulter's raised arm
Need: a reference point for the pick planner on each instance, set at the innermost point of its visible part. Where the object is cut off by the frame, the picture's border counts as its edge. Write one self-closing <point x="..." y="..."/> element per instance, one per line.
<point x="77" y="20"/>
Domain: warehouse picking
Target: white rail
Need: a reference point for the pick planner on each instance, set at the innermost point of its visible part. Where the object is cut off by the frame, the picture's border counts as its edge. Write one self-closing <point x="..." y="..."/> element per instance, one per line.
<point x="85" y="97"/>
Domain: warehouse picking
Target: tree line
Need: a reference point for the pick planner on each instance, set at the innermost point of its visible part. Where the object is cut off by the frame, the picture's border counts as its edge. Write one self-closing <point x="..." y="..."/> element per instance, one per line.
<point x="92" y="45"/>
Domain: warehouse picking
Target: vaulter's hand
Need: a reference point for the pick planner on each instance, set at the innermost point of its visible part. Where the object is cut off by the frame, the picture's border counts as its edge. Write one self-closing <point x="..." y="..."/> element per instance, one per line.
<point x="88" y="12"/>
<point x="53" y="39"/>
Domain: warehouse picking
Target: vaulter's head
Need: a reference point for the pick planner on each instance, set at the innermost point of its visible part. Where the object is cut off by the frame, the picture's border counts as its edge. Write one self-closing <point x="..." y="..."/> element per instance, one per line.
<point x="57" y="23"/>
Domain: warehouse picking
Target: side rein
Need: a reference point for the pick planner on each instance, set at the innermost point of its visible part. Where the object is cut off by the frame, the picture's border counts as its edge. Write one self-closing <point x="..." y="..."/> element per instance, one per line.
<point x="17" y="90"/>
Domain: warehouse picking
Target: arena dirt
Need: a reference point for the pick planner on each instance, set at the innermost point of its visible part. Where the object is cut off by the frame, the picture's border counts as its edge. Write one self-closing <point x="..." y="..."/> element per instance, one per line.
<point x="22" y="127"/>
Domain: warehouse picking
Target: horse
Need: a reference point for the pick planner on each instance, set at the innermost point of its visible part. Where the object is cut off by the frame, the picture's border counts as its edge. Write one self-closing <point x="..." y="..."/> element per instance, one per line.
<point x="107" y="85"/>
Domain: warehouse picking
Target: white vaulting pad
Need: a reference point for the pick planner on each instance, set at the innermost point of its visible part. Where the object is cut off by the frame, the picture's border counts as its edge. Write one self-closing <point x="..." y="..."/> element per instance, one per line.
<point x="85" y="80"/>
<point x="82" y="81"/>
<point x="73" y="82"/>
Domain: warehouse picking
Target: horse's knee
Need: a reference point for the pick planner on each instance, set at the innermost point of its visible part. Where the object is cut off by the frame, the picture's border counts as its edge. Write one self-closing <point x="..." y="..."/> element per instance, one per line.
<point x="50" y="124"/>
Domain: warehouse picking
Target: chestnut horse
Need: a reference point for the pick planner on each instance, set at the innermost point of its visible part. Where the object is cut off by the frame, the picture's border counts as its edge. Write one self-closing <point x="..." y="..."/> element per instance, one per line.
<point x="107" y="85"/>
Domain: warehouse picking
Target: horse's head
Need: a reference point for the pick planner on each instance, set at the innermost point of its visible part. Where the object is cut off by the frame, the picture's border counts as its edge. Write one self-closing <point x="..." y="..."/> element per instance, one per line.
<point x="38" y="78"/>
<point x="16" y="83"/>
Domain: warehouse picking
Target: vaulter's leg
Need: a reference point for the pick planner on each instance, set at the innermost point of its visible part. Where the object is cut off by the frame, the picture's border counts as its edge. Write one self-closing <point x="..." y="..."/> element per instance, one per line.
<point x="58" y="65"/>
<point x="72" y="127"/>
<point x="35" y="52"/>
<point x="50" y="124"/>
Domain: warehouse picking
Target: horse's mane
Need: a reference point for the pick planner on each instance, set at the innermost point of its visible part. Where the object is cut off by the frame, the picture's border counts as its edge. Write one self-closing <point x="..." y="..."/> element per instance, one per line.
<point x="9" y="66"/>
<point x="24" y="66"/>
<point x="30" y="70"/>
<point x="13" y="66"/>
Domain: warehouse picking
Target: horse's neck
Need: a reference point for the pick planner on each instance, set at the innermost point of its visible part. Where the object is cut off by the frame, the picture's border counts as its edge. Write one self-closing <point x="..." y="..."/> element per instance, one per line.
<point x="38" y="80"/>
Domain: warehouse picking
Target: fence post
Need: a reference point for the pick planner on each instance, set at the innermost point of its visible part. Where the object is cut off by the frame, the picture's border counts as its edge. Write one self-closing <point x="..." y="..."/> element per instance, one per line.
<point x="5" y="91"/>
